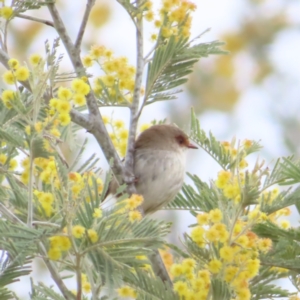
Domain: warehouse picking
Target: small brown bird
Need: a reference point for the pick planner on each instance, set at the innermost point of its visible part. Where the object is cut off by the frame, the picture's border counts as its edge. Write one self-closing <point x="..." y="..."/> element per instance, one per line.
<point x="159" y="165"/>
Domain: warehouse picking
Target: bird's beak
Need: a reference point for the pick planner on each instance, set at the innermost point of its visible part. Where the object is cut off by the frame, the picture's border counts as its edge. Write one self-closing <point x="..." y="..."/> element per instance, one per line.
<point x="192" y="146"/>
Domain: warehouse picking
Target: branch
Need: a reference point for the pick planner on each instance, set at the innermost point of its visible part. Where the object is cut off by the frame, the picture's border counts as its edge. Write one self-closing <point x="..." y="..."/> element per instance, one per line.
<point x="55" y="275"/>
<point x="134" y="116"/>
<point x="85" y="18"/>
<point x="46" y="22"/>
<point x="96" y="125"/>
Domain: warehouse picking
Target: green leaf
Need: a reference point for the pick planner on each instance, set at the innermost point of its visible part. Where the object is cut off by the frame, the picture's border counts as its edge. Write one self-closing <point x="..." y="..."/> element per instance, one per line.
<point x="204" y="199"/>
<point x="170" y="65"/>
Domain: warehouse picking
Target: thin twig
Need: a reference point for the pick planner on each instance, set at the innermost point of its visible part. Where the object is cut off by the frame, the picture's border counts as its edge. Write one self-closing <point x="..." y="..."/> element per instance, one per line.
<point x="46" y="22"/>
<point x="89" y="273"/>
<point x="9" y="214"/>
<point x="129" y="160"/>
<point x="30" y="192"/>
<point x="78" y="277"/>
<point x="85" y="18"/>
<point x="55" y="274"/>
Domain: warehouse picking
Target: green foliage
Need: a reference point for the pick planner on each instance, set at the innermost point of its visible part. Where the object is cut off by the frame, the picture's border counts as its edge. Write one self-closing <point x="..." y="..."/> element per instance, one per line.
<point x="171" y="63"/>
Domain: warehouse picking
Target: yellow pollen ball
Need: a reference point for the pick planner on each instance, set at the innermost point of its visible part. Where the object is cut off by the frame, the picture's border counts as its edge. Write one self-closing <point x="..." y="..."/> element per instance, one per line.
<point x="22" y="74"/>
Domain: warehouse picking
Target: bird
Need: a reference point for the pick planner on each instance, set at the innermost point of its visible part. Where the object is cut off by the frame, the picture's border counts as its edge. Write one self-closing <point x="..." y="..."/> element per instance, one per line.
<point x="159" y="165"/>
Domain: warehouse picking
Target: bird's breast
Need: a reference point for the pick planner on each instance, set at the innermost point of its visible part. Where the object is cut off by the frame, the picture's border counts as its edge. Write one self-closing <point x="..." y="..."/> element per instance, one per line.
<point x="159" y="176"/>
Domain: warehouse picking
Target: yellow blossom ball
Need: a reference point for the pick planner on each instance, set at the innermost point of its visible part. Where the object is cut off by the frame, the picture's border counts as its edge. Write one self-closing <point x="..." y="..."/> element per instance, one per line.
<point x="92" y="234"/>
<point x="127" y="291"/>
<point x="79" y="99"/>
<point x="97" y="213"/>
<point x="97" y="51"/>
<point x="203" y="219"/>
<point x="3" y="158"/>
<point x="214" y="266"/>
<point x="64" y="119"/>
<point x="9" y="78"/>
<point x="176" y="270"/>
<point x="215" y="215"/>
<point x="86" y="287"/>
<point x="78" y="231"/>
<point x="13" y="164"/>
<point x="6" y="12"/>
<point x="80" y="87"/>
<point x="54" y="253"/>
<point x="13" y="63"/>
<point x="64" y="94"/>
<point x="54" y="102"/>
<point x="35" y="59"/>
<point x="87" y="61"/>
<point x="135" y="215"/>
<point x="22" y="74"/>
<point x="180" y="287"/>
<point x="63" y="106"/>
<point x="227" y="253"/>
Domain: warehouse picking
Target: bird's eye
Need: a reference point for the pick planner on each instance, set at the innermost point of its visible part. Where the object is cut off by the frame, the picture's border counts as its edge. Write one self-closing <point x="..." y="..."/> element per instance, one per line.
<point x="180" y="140"/>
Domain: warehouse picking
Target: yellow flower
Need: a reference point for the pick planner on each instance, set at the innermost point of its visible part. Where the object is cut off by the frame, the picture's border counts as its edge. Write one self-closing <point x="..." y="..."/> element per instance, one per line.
<point x="215" y="215"/>
<point x="203" y="218"/>
<point x="78" y="231"/>
<point x="285" y="224"/>
<point x="230" y="272"/>
<point x="54" y="102"/>
<point x="134" y="201"/>
<point x="227" y="253"/>
<point x="86" y="286"/>
<point x="118" y="124"/>
<point x="97" y="213"/>
<point x="22" y="73"/>
<point x="62" y="243"/>
<point x="197" y="234"/>
<point x="87" y="61"/>
<point x="135" y="215"/>
<point x="243" y="241"/>
<point x="97" y="51"/>
<point x="9" y="77"/>
<point x="64" y="94"/>
<point x="6" y="12"/>
<point x="35" y="59"/>
<point x="204" y="274"/>
<point x="13" y="164"/>
<point x="63" y="106"/>
<point x="64" y="119"/>
<point x="7" y="98"/>
<point x="212" y="234"/>
<point x="13" y="63"/>
<point x="79" y="99"/>
<point x="3" y="158"/>
<point x="54" y="253"/>
<point x="176" y="270"/>
<point x="223" y="179"/>
<point x="252" y="266"/>
<point x="105" y="119"/>
<point x="80" y="87"/>
<point x="215" y="266"/>
<point x="92" y="234"/>
<point x="264" y="245"/>
<point x="180" y="287"/>
<point x="127" y="291"/>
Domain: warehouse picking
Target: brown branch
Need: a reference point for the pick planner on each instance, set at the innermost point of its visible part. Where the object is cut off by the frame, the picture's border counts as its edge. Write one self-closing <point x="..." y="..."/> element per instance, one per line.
<point x="88" y="8"/>
<point x="46" y="22"/>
